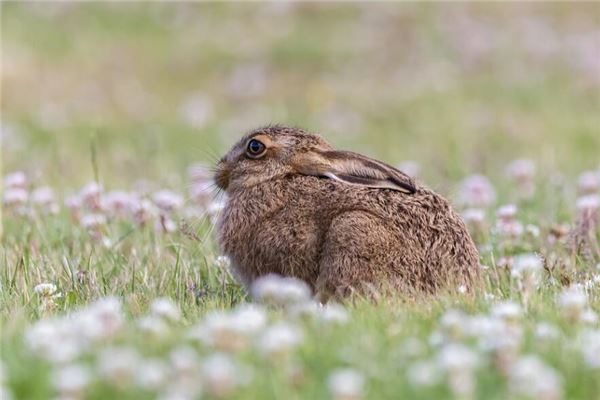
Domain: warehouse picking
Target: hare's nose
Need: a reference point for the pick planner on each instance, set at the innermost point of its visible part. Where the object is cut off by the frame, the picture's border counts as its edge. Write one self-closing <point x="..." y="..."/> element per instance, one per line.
<point x="222" y="174"/>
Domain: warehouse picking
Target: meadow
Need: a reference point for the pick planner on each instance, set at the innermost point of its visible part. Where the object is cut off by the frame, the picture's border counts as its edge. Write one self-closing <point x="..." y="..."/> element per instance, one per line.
<point x="111" y="281"/>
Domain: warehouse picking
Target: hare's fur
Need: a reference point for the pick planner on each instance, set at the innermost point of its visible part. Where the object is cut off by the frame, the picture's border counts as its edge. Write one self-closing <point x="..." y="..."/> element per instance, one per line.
<point x="336" y="236"/>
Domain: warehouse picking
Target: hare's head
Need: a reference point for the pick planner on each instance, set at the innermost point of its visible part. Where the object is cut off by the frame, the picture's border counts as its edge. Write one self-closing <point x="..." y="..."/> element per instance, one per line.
<point x="274" y="152"/>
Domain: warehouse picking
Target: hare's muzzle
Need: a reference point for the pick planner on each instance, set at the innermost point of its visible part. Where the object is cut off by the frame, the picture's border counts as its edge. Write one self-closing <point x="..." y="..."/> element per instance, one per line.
<point x="222" y="172"/>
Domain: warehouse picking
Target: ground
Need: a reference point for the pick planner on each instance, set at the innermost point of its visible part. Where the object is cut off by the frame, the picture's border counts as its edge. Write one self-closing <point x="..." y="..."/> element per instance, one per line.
<point x="112" y="284"/>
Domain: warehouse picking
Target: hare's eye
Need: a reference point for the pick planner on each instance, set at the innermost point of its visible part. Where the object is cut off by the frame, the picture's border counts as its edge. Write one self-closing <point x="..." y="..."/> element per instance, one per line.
<point x="255" y="148"/>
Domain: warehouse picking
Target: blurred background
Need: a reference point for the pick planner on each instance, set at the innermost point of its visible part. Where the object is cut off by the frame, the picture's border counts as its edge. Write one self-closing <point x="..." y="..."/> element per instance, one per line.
<point x="147" y="89"/>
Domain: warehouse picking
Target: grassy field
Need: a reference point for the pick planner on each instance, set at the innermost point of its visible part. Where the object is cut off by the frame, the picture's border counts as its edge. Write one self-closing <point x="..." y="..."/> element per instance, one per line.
<point x="111" y="282"/>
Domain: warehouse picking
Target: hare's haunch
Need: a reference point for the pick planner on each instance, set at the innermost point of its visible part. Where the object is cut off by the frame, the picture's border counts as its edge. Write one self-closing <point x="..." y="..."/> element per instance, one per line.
<point x="338" y="220"/>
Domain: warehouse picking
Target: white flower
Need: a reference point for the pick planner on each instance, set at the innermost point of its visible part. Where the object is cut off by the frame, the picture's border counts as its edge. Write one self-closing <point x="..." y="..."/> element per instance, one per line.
<point x="589" y="203"/>
<point x="474" y="216"/>
<point x="532" y="378"/>
<point x="151" y="374"/>
<point x="16" y="179"/>
<point x="459" y="361"/>
<point x="589" y="345"/>
<point x="71" y="380"/>
<point x="333" y="313"/>
<point x="276" y="290"/>
<point x="118" y="365"/>
<point x="15" y="197"/>
<point x="167" y="200"/>
<point x="545" y="331"/>
<point x="521" y="170"/>
<point x="165" y="308"/>
<point x="45" y="289"/>
<point x="92" y="222"/>
<point x="456" y="357"/>
<point x="230" y="331"/>
<point x="223" y="262"/>
<point x="346" y="384"/>
<point x="153" y="325"/>
<point x="572" y="302"/>
<point x="508" y="311"/>
<point x="424" y="373"/>
<point x="476" y="191"/>
<point x="53" y="340"/>
<point x="44" y="196"/>
<point x="279" y="340"/>
<point x="184" y="360"/>
<point x="507" y="212"/>
<point x="222" y="375"/>
<point x="588" y="182"/>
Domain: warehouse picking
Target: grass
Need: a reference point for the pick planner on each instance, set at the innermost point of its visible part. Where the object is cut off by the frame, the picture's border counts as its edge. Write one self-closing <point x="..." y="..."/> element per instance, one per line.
<point x="98" y="92"/>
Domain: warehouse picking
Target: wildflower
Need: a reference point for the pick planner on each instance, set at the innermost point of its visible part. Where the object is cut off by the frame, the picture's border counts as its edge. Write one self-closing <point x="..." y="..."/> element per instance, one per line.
<point x="506" y="224"/>
<point x="475" y="218"/>
<point x="572" y="302"/>
<point x="223" y="263"/>
<point x="424" y="373"/>
<point x="52" y="340"/>
<point x="222" y="375"/>
<point x="15" y="197"/>
<point x="16" y="179"/>
<point x="588" y="182"/>
<point x="589" y="345"/>
<point x="522" y="172"/>
<point x="589" y="317"/>
<point x="44" y="198"/>
<point x="72" y="380"/>
<point x="527" y="269"/>
<point x="476" y="191"/>
<point x="279" y="340"/>
<point x="333" y="313"/>
<point x="165" y="308"/>
<point x="230" y="331"/>
<point x="153" y="325"/>
<point x="93" y="223"/>
<point x="588" y="204"/>
<point x="184" y="361"/>
<point x="142" y="210"/>
<point x="151" y="374"/>
<point x="167" y="200"/>
<point x="165" y="224"/>
<point x="118" y="365"/>
<point x="90" y="194"/>
<point x="459" y="362"/>
<point x="453" y="323"/>
<point x="508" y="311"/>
<point x="546" y="331"/>
<point x="531" y="378"/>
<point x="346" y="384"/>
<point x="117" y="203"/>
<point x="100" y="320"/>
<point x="45" y="289"/>
<point x="276" y="290"/>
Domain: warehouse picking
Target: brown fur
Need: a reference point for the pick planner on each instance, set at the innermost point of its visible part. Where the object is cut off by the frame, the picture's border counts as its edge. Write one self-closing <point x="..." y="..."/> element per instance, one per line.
<point x="338" y="220"/>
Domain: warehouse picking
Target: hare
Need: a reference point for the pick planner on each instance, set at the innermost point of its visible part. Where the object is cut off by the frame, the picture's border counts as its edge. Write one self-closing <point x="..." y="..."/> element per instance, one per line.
<point x="338" y="220"/>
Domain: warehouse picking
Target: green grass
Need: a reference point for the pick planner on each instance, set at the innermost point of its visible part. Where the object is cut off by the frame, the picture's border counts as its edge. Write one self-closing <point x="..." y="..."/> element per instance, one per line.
<point x="97" y="89"/>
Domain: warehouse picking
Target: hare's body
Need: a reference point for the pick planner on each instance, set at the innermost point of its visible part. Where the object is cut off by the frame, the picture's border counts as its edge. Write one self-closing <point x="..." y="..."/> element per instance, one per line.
<point x="338" y="236"/>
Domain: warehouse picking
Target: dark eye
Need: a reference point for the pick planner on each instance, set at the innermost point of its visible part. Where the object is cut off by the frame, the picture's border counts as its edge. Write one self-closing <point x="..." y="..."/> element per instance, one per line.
<point x="256" y="148"/>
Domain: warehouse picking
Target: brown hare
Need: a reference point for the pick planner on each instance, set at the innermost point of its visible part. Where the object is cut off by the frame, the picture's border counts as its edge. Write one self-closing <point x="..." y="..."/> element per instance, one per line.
<point x="340" y="221"/>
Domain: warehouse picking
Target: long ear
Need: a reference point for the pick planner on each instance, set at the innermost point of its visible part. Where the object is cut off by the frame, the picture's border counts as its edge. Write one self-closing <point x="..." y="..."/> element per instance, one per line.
<point x="354" y="169"/>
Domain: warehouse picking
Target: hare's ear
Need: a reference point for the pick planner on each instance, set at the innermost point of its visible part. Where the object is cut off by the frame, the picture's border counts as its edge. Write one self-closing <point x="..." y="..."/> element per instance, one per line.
<point x="355" y="169"/>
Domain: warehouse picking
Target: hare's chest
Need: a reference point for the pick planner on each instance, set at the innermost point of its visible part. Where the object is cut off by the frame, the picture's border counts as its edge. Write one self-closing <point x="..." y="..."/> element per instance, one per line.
<point x="285" y="241"/>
